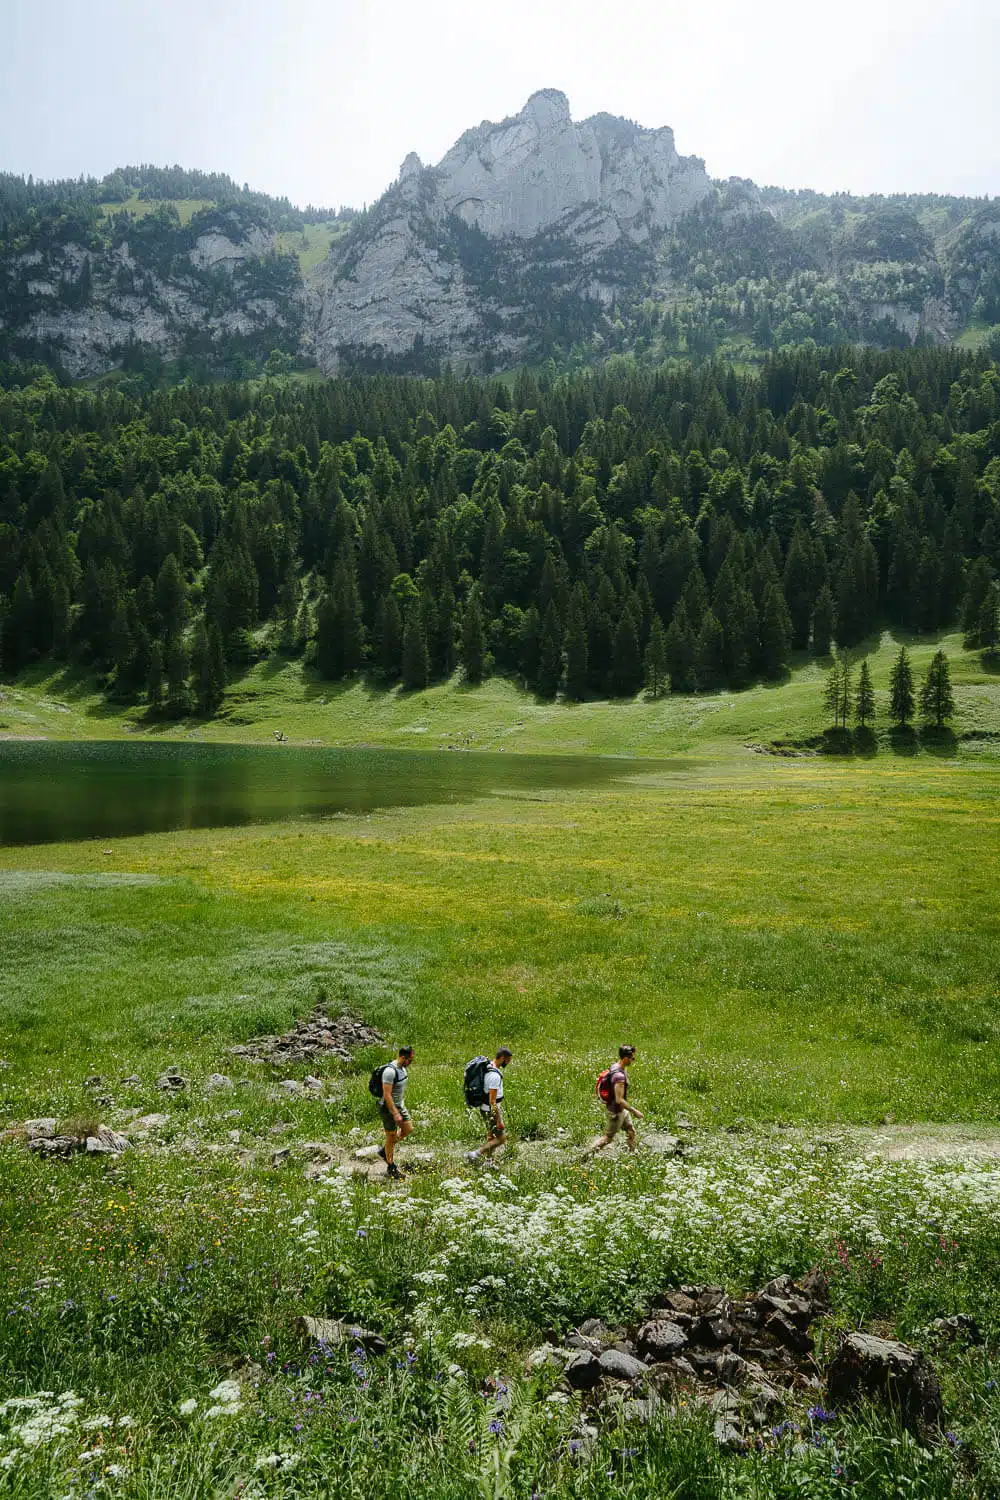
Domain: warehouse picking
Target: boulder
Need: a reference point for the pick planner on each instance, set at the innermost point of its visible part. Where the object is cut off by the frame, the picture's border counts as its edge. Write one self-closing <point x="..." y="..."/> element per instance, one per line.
<point x="44" y="1126"/>
<point x="679" y="1302"/>
<point x="106" y="1142"/>
<point x="171" y="1082"/>
<point x="714" y="1331"/>
<point x="218" y="1083"/>
<point x="546" y="1357"/>
<point x="661" y="1339"/>
<point x="334" y="1332"/>
<point x="886" y="1371"/>
<point x="583" y="1370"/>
<point x="788" y="1333"/>
<point x="959" y="1328"/>
<point x="594" y="1328"/>
<point x="728" y="1437"/>
<point x="617" y="1365"/>
<point x="150" y="1122"/>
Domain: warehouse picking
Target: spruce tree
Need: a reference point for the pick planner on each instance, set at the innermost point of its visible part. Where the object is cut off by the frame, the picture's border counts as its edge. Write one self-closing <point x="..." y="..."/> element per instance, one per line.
<point x="989" y="627"/>
<point x="680" y="653"/>
<point x="154" y="678"/>
<point x="864" y="703"/>
<point x="328" y="652"/>
<point x="800" y="593"/>
<point x="389" y="633"/>
<point x="901" y="699"/>
<point x="937" y="701"/>
<point x="550" y="658"/>
<point x="831" y="694"/>
<point x="710" y="654"/>
<point x="657" y="676"/>
<point x="178" y="701"/>
<point x="576" y="649"/>
<point x="416" y="662"/>
<point x="978" y="590"/>
<point x="473" y="640"/>
<point x="824" y="620"/>
<point x="775" y="632"/>
<point x="626" y="662"/>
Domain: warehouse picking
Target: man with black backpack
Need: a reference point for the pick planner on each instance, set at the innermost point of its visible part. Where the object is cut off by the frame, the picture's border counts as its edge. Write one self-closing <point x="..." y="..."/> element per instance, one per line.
<point x="484" y="1091"/>
<point x="388" y="1085"/>
<point x="612" y="1090"/>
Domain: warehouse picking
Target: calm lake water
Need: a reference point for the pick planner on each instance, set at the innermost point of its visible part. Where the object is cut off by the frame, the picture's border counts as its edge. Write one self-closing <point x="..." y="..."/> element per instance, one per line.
<point x="57" y="791"/>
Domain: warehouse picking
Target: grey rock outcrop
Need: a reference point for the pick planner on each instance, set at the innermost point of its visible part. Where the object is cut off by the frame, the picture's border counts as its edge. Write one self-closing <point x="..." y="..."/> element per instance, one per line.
<point x="538" y="182"/>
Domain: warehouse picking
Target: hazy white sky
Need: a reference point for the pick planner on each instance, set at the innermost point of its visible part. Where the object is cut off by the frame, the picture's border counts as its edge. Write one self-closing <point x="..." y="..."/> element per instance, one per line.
<point x="322" y="99"/>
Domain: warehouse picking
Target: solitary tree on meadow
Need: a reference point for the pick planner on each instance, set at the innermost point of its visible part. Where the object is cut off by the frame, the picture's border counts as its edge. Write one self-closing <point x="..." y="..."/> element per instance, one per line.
<point x="937" y="701"/>
<point x="864" y="703"/>
<point x="902" y="703"/>
<point x="837" y="692"/>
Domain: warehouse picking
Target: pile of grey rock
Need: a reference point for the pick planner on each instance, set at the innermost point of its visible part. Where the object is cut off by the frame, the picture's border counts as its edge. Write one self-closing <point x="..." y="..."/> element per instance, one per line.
<point x="747" y="1359"/>
<point x="44" y="1137"/>
<point x="317" y="1036"/>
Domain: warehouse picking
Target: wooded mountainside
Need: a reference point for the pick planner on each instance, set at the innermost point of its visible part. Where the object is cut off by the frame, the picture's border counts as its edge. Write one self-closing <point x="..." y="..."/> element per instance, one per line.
<point x="559" y="530"/>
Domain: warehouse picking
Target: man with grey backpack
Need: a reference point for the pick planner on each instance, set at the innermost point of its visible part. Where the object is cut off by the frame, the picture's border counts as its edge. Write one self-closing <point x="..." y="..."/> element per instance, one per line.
<point x="388" y="1085"/>
<point x="484" y="1092"/>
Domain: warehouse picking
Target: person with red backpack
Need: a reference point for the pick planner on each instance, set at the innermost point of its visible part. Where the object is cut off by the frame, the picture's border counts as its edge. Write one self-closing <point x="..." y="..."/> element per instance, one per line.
<point x="612" y="1090"/>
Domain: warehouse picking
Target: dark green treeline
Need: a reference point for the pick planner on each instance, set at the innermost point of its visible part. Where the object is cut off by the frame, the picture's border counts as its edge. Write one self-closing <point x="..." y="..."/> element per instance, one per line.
<point x="584" y="533"/>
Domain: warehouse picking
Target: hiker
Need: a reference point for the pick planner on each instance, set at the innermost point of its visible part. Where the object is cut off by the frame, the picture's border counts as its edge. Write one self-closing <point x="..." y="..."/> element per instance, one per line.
<point x="612" y="1089"/>
<point x="484" y="1091"/>
<point x="388" y="1085"/>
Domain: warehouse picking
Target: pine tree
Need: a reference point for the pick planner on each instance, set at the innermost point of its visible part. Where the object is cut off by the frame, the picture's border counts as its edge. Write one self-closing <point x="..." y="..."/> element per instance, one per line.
<point x="416" y="662"/>
<point x="177" y="665"/>
<point x="824" y="621"/>
<point x="901" y="699"/>
<point x="710" y="654"/>
<point x="550" y="659"/>
<point x="473" y="640"/>
<point x="799" y="587"/>
<point x="864" y="703"/>
<point x="937" y="701"/>
<point x="154" y="678"/>
<point x="626" y="662"/>
<point x="837" y="692"/>
<point x="978" y="589"/>
<point x="208" y="666"/>
<point x="680" y="653"/>
<point x="775" y="632"/>
<point x="989" y="627"/>
<point x="171" y="598"/>
<point x="831" y="694"/>
<point x="657" y="677"/>
<point x="576" y="649"/>
<point x="389" y="633"/>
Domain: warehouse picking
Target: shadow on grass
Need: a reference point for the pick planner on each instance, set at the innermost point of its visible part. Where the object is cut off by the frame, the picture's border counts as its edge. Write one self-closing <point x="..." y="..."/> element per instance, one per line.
<point x="904" y="740"/>
<point x="941" y="741"/>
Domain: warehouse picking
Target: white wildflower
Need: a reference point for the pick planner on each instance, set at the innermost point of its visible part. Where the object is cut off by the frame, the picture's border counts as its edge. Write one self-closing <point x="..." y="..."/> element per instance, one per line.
<point x="189" y="1407"/>
<point x="227" y="1391"/>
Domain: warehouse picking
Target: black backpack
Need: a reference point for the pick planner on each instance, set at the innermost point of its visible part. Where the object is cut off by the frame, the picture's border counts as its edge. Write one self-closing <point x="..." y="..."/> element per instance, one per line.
<point x="375" y="1081"/>
<point x="475" y="1082"/>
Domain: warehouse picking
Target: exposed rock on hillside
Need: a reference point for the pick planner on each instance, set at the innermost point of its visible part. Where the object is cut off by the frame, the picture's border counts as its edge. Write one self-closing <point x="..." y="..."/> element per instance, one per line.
<point x="464" y="258"/>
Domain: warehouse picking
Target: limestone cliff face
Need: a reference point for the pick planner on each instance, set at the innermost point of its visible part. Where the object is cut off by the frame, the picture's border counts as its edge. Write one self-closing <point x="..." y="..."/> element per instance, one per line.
<point x="208" y="282"/>
<point x="439" y="258"/>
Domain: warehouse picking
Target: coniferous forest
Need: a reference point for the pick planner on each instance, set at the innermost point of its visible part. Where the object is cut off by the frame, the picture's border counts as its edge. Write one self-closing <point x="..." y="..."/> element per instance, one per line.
<point x="590" y="534"/>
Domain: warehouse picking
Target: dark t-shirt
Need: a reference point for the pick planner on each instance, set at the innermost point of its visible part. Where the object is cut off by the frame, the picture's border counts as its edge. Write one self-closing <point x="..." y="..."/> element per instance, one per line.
<point x="617" y="1075"/>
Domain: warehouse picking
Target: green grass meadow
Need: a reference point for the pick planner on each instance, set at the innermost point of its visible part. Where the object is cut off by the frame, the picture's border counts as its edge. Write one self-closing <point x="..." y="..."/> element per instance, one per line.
<point x="800" y="946"/>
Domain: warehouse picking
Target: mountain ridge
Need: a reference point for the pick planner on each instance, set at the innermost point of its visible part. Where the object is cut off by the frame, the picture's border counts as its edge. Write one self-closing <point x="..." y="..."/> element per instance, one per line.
<point x="534" y="236"/>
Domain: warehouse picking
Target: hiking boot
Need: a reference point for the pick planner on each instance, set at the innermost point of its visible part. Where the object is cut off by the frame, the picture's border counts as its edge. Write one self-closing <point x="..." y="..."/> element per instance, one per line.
<point x="381" y="1152"/>
<point x="393" y="1171"/>
<point x="470" y="1157"/>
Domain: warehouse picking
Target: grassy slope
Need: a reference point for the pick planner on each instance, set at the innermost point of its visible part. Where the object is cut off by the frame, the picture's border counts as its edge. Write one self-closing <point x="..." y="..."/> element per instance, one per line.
<point x="786" y="939"/>
<point x="278" y="695"/>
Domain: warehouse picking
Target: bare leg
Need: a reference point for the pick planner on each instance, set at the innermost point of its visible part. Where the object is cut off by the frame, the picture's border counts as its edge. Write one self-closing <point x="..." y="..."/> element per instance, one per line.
<point x="390" y="1145"/>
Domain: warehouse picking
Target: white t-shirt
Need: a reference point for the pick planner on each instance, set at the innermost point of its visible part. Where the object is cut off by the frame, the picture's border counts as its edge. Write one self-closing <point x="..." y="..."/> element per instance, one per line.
<point x="493" y="1079"/>
<point x="395" y="1075"/>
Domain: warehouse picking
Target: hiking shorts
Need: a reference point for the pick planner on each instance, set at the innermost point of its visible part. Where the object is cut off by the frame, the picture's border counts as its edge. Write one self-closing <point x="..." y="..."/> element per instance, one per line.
<point x="387" y="1117"/>
<point x="489" y="1116"/>
<point x="618" y="1119"/>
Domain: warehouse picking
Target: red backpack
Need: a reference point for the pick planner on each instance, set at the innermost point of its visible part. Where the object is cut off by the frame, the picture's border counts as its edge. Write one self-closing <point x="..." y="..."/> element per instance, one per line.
<point x="605" y="1084"/>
